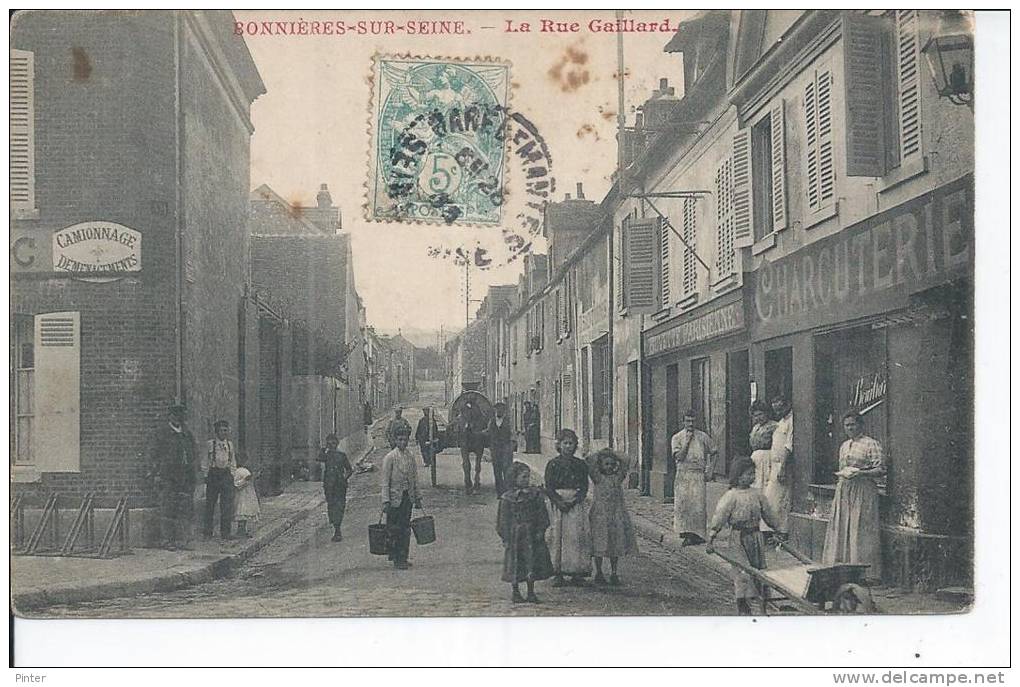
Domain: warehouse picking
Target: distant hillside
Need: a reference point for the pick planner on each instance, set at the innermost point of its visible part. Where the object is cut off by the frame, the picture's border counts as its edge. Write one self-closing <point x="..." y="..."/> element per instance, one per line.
<point x="423" y="338"/>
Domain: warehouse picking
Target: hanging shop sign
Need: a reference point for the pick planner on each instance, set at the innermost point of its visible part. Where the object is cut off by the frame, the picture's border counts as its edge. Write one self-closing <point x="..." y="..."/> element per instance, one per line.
<point x="720" y="322"/>
<point x="871" y="267"/>
<point x="97" y="250"/>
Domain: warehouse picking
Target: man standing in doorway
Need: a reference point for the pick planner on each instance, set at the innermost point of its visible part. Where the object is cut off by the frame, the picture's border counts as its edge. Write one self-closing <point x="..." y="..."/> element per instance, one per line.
<point x="218" y="466"/>
<point x="173" y="474"/>
<point x="532" y="428"/>
<point x="779" y="488"/>
<point x="397" y="424"/>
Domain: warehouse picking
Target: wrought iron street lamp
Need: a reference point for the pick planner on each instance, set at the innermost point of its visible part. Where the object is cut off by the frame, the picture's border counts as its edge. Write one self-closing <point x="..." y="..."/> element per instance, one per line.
<point x="950" y="55"/>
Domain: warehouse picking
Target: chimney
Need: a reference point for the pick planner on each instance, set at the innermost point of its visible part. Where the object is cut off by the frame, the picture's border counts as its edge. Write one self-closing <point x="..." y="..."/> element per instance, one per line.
<point x="663" y="85"/>
<point x="566" y="196"/>
<point x="580" y="191"/>
<point x="323" y="199"/>
<point x="639" y="120"/>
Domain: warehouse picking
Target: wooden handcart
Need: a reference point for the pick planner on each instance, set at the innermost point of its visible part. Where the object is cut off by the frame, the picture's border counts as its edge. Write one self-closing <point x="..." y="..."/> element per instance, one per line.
<point x="810" y="588"/>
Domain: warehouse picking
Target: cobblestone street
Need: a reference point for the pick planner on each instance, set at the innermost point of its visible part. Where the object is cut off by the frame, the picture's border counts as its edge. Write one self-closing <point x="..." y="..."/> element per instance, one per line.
<point x="304" y="574"/>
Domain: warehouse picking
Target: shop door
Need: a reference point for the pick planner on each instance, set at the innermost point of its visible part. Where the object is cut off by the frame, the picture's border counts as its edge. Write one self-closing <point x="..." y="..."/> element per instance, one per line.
<point x="738" y="403"/>
<point x="850" y="375"/>
<point x="700" y="389"/>
<point x="778" y="374"/>
<point x="633" y="420"/>
<point x="672" y="416"/>
<point x="585" y="396"/>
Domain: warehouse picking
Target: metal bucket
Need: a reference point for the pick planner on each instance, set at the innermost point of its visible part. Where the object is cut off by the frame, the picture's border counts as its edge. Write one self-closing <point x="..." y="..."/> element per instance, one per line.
<point x="424" y="529"/>
<point x="377" y="539"/>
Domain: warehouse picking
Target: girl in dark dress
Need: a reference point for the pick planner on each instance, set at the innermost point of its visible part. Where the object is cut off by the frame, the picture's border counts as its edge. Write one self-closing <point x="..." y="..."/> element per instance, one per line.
<point x="521" y="522"/>
<point x="566" y="485"/>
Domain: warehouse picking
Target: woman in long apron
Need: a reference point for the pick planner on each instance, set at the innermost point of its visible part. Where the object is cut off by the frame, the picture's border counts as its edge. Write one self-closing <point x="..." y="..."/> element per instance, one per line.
<point x="853" y="532"/>
<point x="569" y="537"/>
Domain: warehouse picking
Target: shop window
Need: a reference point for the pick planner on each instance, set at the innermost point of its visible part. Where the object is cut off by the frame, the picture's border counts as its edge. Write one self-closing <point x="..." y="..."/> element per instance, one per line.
<point x="779" y="374"/>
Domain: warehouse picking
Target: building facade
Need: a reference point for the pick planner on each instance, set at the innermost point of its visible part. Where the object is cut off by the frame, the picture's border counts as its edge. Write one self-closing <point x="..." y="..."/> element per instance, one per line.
<point x="129" y="175"/>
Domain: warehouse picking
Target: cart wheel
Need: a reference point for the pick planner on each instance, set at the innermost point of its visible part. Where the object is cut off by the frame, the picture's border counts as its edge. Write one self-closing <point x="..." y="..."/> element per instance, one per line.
<point x="432" y="468"/>
<point x="853" y="598"/>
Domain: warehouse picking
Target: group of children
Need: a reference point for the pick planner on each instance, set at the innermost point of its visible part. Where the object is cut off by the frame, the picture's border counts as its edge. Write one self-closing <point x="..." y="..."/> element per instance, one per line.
<point x="552" y="532"/>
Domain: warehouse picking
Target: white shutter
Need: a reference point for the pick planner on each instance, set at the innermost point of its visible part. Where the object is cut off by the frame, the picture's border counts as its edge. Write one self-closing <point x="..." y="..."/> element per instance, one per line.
<point x="22" y="132"/>
<point x="690" y="265"/>
<point x="724" y="255"/>
<point x="743" y="233"/>
<point x="826" y="166"/>
<point x="641" y="245"/>
<point x="778" y="134"/>
<point x="821" y="172"/>
<point x="55" y="435"/>
<point x="664" y="264"/>
<point x="908" y="53"/>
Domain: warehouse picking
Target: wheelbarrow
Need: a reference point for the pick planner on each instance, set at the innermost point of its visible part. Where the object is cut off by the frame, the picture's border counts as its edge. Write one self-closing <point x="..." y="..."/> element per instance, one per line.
<point x="811" y="588"/>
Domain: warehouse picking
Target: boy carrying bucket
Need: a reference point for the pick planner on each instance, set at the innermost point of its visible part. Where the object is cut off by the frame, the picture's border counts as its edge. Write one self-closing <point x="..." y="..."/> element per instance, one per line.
<point x="399" y="492"/>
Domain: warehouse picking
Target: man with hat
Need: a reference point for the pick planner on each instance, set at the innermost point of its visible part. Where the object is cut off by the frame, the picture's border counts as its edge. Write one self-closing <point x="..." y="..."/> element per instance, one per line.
<point x="173" y="474"/>
<point x="398" y="423"/>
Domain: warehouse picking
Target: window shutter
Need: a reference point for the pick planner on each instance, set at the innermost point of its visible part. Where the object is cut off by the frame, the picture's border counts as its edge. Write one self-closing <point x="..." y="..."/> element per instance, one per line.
<point x="641" y="255"/>
<point x="821" y="181"/>
<point x="724" y="256"/>
<point x="55" y="435"/>
<point x="22" y="132"/>
<point x="690" y="265"/>
<point x="907" y="44"/>
<point x="778" y="135"/>
<point x="743" y="234"/>
<point x="865" y="95"/>
<point x="664" y="264"/>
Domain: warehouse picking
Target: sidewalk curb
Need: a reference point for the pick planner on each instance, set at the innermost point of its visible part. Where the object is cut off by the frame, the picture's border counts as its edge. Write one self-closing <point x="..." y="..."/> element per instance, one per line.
<point x="693" y="556"/>
<point x="167" y="582"/>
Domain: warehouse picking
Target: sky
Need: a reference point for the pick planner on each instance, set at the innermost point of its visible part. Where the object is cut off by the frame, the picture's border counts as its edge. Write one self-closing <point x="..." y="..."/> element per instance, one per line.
<point x="312" y="127"/>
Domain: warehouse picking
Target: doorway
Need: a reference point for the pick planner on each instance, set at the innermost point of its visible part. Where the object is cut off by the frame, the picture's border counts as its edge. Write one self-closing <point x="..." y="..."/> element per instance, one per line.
<point x="672" y="421"/>
<point x="738" y="403"/>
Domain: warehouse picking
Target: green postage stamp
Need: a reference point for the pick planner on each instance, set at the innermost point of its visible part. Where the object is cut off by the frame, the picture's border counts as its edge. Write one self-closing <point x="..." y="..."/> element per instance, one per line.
<point x="438" y="140"/>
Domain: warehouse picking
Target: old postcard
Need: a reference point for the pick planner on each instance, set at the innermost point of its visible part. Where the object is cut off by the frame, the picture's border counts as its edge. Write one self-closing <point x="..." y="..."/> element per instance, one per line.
<point x="495" y="313"/>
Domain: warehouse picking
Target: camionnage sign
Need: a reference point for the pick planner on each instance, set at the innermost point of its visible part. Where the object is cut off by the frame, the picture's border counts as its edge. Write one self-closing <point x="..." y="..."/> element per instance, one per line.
<point x="97" y="249"/>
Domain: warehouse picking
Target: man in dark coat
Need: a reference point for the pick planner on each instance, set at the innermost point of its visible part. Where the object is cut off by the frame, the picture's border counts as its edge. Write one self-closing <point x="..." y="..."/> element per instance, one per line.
<point x="174" y="476"/>
<point x="428" y="443"/>
<point x="501" y="445"/>
<point x="532" y="428"/>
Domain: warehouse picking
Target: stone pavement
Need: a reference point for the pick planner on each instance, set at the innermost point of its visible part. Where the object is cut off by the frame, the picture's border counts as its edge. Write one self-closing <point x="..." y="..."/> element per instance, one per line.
<point x="39" y="581"/>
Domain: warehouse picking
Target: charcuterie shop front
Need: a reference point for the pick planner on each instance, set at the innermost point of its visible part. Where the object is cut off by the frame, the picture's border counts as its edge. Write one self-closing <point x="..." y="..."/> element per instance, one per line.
<point x="878" y="318"/>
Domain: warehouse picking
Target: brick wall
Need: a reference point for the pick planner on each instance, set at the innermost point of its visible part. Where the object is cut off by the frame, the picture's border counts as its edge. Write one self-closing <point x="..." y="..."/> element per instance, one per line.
<point x="104" y="149"/>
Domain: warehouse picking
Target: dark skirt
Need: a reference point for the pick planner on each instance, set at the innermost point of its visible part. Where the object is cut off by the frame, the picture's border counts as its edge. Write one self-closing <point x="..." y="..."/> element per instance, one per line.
<point x="526" y="555"/>
<point x="336" y="504"/>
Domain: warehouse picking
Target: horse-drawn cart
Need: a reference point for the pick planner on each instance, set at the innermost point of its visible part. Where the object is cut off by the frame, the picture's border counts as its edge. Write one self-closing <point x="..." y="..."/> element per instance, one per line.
<point x="468" y="418"/>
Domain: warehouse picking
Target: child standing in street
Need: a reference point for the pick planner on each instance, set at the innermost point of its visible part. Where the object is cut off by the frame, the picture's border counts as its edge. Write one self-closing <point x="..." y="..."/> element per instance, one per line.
<point x="612" y="533"/>
<point x="741" y="509"/>
<point x="246" y="502"/>
<point x="566" y="486"/>
<point x="335" y="475"/>
<point x="521" y="521"/>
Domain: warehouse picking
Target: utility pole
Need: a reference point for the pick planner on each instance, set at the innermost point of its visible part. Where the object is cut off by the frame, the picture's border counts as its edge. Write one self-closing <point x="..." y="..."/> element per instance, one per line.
<point x="621" y="123"/>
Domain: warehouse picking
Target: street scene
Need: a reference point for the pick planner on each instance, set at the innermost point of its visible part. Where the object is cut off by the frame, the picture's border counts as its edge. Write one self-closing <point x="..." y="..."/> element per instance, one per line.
<point x="670" y="316"/>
